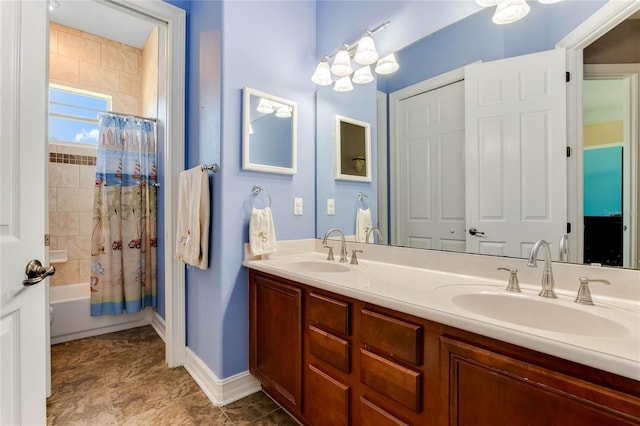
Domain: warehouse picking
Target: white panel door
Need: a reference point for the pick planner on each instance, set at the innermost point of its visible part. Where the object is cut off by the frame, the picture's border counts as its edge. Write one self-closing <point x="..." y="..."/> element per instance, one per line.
<point x="516" y="177"/>
<point x="431" y="211"/>
<point x="23" y="69"/>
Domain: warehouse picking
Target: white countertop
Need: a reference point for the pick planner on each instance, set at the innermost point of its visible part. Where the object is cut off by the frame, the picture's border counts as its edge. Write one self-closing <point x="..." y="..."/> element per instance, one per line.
<point x="426" y="293"/>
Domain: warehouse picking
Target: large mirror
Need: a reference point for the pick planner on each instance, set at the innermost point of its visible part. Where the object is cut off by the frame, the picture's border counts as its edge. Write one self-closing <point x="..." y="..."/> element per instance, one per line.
<point x="268" y="133"/>
<point x="468" y="41"/>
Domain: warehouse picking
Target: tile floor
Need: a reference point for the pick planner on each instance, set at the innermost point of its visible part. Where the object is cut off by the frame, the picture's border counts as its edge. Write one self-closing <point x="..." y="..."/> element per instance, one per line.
<point x="121" y="379"/>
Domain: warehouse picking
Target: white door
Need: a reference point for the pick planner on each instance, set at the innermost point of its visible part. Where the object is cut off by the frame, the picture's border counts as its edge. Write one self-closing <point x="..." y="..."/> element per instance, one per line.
<point x="516" y="154"/>
<point x="24" y="49"/>
<point x="431" y="212"/>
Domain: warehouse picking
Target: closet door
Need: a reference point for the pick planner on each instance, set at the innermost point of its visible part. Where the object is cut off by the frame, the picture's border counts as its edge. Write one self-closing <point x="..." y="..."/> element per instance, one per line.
<point x="516" y="171"/>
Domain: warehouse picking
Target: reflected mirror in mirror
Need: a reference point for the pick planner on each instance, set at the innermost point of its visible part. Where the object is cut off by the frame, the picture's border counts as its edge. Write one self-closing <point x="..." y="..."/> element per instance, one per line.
<point x="268" y="133"/>
<point x="466" y="42"/>
<point x="353" y="149"/>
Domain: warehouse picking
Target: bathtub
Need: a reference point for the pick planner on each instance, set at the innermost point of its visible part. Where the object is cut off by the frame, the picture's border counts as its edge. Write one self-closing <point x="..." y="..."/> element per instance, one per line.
<point x="71" y="319"/>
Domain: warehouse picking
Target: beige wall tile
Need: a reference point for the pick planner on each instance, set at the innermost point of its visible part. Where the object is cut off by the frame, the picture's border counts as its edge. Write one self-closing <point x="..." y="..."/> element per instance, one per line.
<point x="53" y="199"/>
<point x="64" y="69"/>
<point x="75" y="199"/>
<point x="86" y="223"/>
<point x="118" y="59"/>
<point x="53" y="243"/>
<point x="64" y="223"/>
<point x="84" y="270"/>
<point x="78" y="247"/>
<point x="53" y="41"/>
<point x="77" y="47"/>
<point x="66" y="273"/>
<point x="126" y="104"/>
<point x="129" y="83"/>
<point x="87" y="176"/>
<point x="97" y="76"/>
<point x="63" y="175"/>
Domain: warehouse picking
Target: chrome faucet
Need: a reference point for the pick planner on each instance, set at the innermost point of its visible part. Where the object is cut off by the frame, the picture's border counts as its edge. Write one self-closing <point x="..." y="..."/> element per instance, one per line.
<point x="343" y="250"/>
<point x="547" y="274"/>
<point x="375" y="228"/>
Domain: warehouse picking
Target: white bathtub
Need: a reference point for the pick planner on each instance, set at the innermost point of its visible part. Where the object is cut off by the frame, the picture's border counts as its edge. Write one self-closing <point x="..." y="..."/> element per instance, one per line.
<point x="71" y="317"/>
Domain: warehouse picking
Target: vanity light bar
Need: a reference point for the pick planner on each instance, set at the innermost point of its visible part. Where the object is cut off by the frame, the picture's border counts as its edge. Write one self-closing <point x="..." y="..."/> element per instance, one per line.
<point x="351" y="47"/>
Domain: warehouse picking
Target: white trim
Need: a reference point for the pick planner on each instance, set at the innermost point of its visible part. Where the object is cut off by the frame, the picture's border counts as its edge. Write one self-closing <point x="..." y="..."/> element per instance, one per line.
<point x="171" y="72"/>
<point x="158" y="324"/>
<point x="381" y="173"/>
<point x="219" y="392"/>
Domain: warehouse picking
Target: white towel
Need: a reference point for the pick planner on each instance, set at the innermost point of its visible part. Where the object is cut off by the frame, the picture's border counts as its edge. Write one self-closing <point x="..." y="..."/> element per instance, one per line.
<point x="262" y="232"/>
<point x="192" y="240"/>
<point x="363" y="224"/>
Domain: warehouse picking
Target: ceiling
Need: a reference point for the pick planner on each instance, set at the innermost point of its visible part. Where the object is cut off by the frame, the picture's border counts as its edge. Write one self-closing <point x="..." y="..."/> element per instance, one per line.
<point x="102" y="20"/>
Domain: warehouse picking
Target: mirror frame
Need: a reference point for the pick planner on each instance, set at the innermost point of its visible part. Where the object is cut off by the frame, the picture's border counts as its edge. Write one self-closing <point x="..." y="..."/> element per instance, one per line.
<point x="339" y="173"/>
<point x="246" y="140"/>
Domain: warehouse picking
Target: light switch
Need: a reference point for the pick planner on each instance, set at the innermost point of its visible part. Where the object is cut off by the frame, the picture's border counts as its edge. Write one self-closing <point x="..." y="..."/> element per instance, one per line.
<point x="331" y="206"/>
<point x="297" y="206"/>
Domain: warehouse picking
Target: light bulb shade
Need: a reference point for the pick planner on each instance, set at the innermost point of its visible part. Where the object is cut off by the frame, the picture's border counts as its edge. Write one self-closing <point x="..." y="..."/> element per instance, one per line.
<point x="510" y="11"/>
<point x="343" y="85"/>
<point x="487" y="3"/>
<point x="322" y="75"/>
<point x="363" y="75"/>
<point x="283" y="111"/>
<point x="250" y="129"/>
<point x="549" y="1"/>
<point x="387" y="65"/>
<point x="264" y="106"/>
<point x="342" y="64"/>
<point x="366" y="52"/>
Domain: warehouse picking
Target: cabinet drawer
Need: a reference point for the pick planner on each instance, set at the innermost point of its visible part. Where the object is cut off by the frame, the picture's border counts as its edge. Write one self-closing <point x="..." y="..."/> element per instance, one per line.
<point x="327" y="399"/>
<point x="393" y="380"/>
<point x="372" y="415"/>
<point x="329" y="348"/>
<point x="395" y="338"/>
<point x="330" y="313"/>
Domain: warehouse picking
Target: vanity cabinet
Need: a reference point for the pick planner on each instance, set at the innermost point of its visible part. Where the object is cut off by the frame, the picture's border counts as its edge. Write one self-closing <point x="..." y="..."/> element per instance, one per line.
<point x="334" y="360"/>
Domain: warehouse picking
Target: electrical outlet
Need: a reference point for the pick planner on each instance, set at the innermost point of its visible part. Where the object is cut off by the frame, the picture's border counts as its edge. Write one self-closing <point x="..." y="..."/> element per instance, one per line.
<point x="331" y="206"/>
<point x="297" y="206"/>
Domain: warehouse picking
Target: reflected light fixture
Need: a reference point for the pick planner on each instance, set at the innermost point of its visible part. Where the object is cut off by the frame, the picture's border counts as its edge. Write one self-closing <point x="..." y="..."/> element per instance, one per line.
<point x="283" y="111"/>
<point x="508" y="11"/>
<point x="54" y="4"/>
<point x="364" y="53"/>
<point x="265" y="106"/>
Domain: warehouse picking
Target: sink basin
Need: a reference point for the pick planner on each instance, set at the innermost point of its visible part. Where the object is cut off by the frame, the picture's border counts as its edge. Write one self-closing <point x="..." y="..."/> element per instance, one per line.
<point x="318" y="266"/>
<point x="545" y="315"/>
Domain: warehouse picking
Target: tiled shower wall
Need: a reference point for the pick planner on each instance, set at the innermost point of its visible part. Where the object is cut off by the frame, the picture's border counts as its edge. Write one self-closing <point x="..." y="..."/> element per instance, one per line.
<point x="72" y="173"/>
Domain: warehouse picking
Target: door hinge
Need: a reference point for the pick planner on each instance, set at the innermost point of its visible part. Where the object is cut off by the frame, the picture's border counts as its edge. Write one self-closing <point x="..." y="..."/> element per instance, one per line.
<point x="47" y="240"/>
<point x="568" y="151"/>
<point x="567" y="76"/>
<point x="568" y="227"/>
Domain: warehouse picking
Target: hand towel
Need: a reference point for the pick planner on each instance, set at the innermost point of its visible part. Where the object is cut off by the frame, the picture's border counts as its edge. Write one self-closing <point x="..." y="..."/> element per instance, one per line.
<point x="262" y="232"/>
<point x="363" y="224"/>
<point x="192" y="240"/>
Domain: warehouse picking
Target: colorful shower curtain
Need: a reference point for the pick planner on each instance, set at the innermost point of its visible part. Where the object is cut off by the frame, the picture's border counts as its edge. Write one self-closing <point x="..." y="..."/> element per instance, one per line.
<point x="124" y="240"/>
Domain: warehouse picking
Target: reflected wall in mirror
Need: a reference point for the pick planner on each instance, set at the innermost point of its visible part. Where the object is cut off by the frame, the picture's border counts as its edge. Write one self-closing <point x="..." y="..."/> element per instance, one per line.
<point x="465" y="42"/>
<point x="353" y="149"/>
<point x="268" y="133"/>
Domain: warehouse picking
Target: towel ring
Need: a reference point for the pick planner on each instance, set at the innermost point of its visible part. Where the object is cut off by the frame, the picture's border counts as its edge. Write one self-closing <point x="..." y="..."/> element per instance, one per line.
<point x="363" y="201"/>
<point x="256" y="190"/>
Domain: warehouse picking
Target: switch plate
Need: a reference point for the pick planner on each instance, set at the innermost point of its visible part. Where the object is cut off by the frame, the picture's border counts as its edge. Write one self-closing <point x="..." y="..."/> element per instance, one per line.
<point x="331" y="206"/>
<point x="297" y="206"/>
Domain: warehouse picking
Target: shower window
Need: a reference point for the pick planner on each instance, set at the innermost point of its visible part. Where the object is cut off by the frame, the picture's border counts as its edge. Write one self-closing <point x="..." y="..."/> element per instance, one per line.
<point x="73" y="114"/>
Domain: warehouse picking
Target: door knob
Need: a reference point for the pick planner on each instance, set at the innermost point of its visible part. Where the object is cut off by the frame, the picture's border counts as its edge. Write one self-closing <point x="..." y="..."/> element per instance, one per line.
<point x="474" y="231"/>
<point x="35" y="272"/>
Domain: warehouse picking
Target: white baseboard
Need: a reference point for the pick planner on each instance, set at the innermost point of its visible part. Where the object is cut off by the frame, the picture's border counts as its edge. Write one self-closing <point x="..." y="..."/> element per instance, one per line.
<point x="219" y="392"/>
<point x="158" y="324"/>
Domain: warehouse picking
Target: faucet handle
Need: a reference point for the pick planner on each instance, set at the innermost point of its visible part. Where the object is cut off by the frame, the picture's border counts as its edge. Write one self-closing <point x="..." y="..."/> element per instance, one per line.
<point x="584" y="294"/>
<point x="513" y="284"/>
<point x="330" y="254"/>
<point x="354" y="258"/>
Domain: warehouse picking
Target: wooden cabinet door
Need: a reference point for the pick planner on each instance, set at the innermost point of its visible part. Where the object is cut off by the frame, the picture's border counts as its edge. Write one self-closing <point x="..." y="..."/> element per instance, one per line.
<point x="275" y="332"/>
<point x="488" y="388"/>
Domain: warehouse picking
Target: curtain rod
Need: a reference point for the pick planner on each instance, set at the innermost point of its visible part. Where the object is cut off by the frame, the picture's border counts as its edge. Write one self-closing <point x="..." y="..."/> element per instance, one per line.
<point x="122" y="114"/>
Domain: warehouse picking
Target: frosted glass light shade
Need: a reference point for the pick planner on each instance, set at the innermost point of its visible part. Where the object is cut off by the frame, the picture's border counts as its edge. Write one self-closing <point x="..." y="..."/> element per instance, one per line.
<point x="342" y="64"/>
<point x="283" y="111"/>
<point x="487" y="3"/>
<point x="366" y="52"/>
<point x="549" y="1"/>
<point x="509" y="11"/>
<point x="264" y="106"/>
<point x="363" y="75"/>
<point x="343" y="85"/>
<point x="387" y="65"/>
<point x="322" y="75"/>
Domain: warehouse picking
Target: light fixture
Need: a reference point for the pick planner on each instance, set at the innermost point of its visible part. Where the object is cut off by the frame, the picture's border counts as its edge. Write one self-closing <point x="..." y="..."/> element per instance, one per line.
<point x="283" y="111"/>
<point x="366" y="52"/>
<point x="363" y="51"/>
<point x="342" y="62"/>
<point x="549" y="1"/>
<point x="488" y="3"/>
<point x="343" y="84"/>
<point x="509" y="11"/>
<point x="265" y="106"/>
<point x="387" y="65"/>
<point x="322" y="75"/>
<point x="250" y="129"/>
<point x="363" y="75"/>
<point x="54" y="4"/>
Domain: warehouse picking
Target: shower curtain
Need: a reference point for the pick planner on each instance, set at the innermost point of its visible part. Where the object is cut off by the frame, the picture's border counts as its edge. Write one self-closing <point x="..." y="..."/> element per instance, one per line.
<point x="124" y="239"/>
